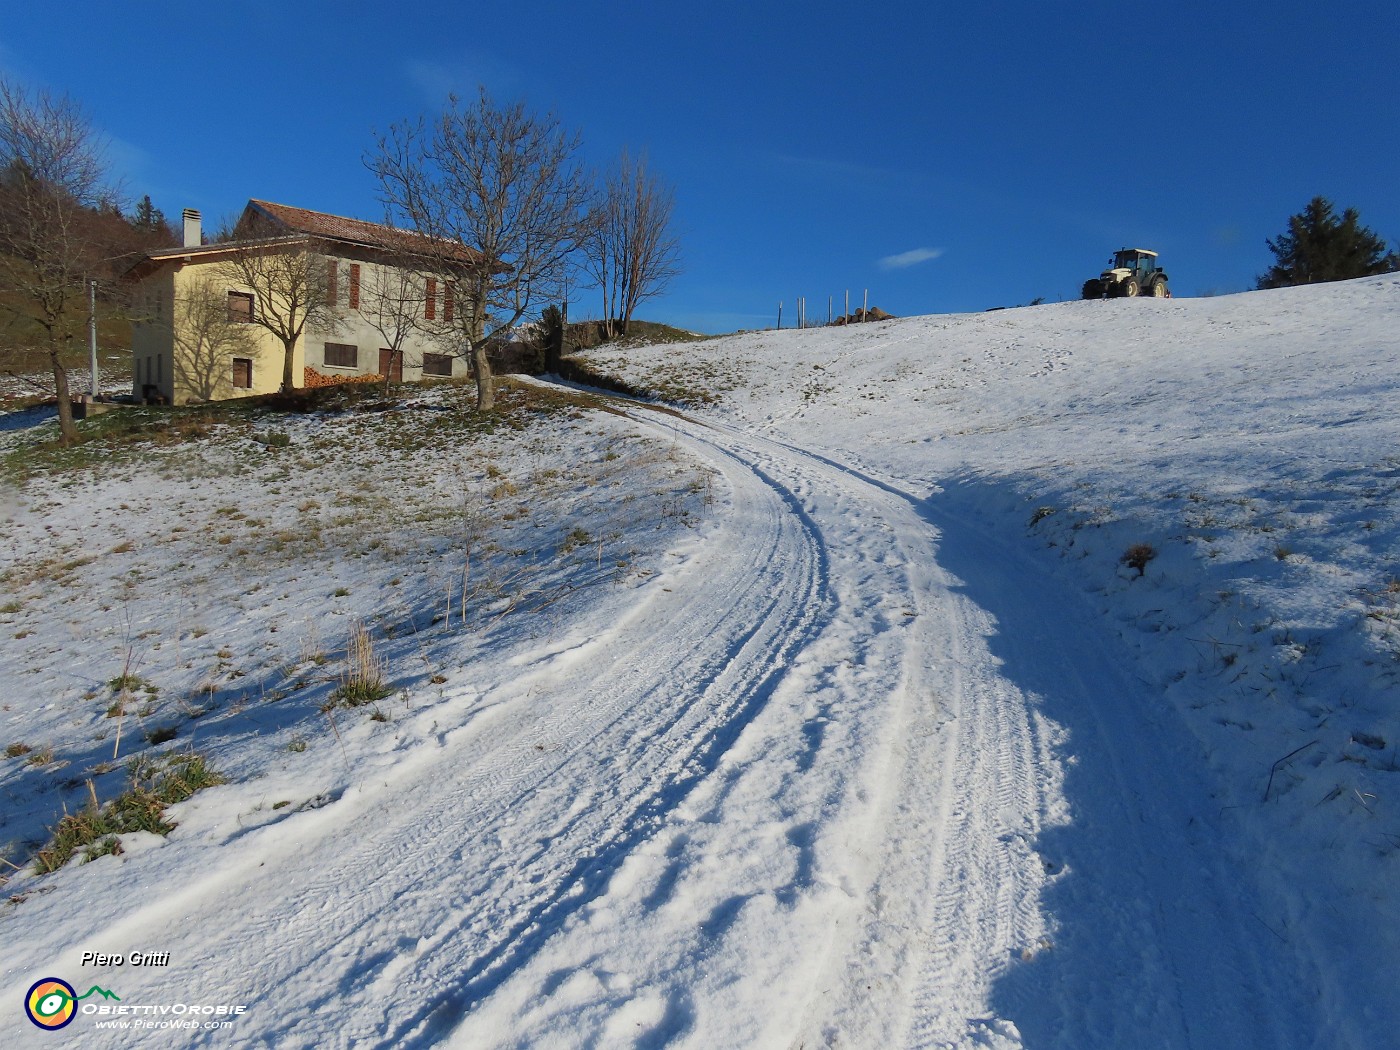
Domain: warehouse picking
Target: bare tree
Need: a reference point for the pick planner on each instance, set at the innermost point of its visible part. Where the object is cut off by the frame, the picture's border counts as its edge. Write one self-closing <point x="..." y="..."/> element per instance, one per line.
<point x="501" y="202"/>
<point x="53" y="240"/>
<point x="290" y="282"/>
<point x="630" y="250"/>
<point x="391" y="299"/>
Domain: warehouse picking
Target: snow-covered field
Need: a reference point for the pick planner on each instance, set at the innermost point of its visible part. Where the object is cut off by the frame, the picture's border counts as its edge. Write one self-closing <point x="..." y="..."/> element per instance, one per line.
<point x="1016" y="679"/>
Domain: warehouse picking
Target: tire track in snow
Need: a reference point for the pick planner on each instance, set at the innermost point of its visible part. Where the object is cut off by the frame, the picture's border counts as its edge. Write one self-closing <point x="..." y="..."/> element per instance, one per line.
<point x="790" y="593"/>
<point x="1160" y="951"/>
<point x="1158" y="940"/>
<point x="402" y="906"/>
<point x="772" y="582"/>
<point x="971" y="779"/>
<point x="807" y="798"/>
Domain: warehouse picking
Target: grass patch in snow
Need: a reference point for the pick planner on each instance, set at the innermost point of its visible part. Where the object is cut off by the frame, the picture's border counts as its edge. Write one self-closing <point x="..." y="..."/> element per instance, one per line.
<point x="155" y="784"/>
<point x="362" y="680"/>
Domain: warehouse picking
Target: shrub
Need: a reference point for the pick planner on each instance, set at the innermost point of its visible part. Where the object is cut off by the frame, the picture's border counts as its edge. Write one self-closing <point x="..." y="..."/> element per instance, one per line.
<point x="579" y="537"/>
<point x="1137" y="556"/>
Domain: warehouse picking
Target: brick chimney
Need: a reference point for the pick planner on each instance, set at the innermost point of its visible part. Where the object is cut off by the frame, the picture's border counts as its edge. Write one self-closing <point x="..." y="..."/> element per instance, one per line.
<point x="194" y="235"/>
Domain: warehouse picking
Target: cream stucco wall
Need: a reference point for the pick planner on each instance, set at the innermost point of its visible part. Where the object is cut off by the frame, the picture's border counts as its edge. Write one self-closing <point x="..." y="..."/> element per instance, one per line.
<point x="150" y="336"/>
<point x="205" y="342"/>
<point x="356" y="327"/>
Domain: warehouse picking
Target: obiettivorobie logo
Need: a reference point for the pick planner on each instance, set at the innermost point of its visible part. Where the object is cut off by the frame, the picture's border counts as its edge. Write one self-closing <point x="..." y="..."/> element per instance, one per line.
<point x="52" y="1002"/>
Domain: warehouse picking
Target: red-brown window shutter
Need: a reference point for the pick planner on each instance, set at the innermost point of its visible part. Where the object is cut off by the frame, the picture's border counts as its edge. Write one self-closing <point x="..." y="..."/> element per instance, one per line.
<point x="447" y="300"/>
<point x="354" y="286"/>
<point x="332" y="282"/>
<point x="430" y="300"/>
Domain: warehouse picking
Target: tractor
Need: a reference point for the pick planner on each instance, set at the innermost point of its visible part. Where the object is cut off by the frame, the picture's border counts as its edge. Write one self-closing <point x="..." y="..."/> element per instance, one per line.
<point x="1133" y="271"/>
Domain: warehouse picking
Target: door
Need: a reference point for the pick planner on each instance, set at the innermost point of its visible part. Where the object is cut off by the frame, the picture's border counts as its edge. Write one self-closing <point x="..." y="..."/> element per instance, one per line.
<point x="391" y="365"/>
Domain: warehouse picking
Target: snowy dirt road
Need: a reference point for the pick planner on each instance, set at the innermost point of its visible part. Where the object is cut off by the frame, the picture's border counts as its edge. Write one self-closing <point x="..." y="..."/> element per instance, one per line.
<point x="846" y="774"/>
<point x="953" y="822"/>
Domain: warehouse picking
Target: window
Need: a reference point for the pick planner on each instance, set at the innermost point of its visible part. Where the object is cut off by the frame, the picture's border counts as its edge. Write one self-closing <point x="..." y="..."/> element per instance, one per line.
<point x="240" y="307"/>
<point x="437" y="364"/>
<point x="243" y="373"/>
<point x="354" y="286"/>
<point x="342" y="355"/>
<point x="430" y="303"/>
<point x="332" y="283"/>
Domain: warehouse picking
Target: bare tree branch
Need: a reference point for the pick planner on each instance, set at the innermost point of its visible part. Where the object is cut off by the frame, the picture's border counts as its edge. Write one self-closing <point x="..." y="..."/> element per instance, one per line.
<point x="53" y="192"/>
<point x="630" y="250"/>
<point x="391" y="301"/>
<point x="289" y="280"/>
<point x="502" y="202"/>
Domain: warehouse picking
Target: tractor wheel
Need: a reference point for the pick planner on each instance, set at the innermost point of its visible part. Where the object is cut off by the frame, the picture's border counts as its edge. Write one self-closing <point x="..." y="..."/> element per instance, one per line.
<point x="1093" y="288"/>
<point x="1129" y="288"/>
<point x="1159" y="289"/>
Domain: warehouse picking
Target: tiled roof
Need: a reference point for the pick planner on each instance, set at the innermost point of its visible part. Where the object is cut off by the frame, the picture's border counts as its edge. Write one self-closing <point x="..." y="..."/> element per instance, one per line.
<point x="356" y="231"/>
<point x="265" y="223"/>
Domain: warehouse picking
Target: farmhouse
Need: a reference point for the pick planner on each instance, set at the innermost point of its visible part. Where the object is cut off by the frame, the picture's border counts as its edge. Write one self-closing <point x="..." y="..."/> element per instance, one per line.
<point x="369" y="308"/>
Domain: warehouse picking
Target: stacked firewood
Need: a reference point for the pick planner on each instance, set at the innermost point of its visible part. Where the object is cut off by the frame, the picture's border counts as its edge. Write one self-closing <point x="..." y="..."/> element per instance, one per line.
<point x="312" y="379"/>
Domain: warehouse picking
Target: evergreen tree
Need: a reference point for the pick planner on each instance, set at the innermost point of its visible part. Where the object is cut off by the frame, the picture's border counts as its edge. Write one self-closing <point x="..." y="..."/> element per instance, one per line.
<point x="1320" y="246"/>
<point x="148" y="218"/>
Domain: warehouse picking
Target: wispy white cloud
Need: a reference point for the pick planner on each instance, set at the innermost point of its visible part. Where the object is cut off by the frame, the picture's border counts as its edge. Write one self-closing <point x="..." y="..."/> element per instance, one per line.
<point x="904" y="260"/>
<point x="843" y="170"/>
<point x="435" y="80"/>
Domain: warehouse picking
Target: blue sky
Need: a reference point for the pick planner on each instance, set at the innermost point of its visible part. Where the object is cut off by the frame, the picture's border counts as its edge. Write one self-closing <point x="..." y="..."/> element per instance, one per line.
<point x="946" y="156"/>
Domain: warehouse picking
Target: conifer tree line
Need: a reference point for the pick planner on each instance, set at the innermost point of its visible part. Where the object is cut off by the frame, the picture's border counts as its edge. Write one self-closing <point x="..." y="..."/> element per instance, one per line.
<point x="1320" y="245"/>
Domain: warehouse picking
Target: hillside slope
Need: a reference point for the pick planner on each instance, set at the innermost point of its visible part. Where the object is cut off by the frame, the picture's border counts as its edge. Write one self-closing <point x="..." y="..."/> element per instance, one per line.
<point x="1015" y="680"/>
<point x="1250" y="442"/>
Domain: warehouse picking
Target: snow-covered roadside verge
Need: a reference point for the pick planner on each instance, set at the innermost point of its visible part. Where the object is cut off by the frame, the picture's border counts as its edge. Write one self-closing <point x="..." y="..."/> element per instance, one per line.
<point x="198" y="589"/>
<point x="20" y="387"/>
<point x="1293" y="711"/>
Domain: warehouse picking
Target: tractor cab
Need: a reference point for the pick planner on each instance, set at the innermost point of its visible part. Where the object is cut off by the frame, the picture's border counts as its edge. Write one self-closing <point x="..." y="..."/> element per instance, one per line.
<point x="1135" y="262"/>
